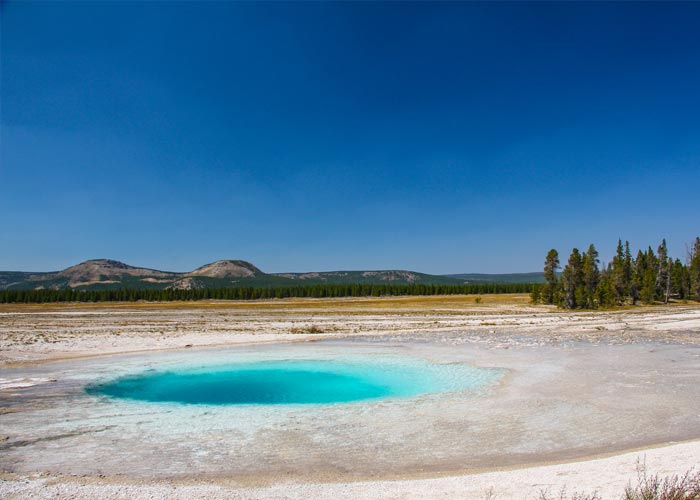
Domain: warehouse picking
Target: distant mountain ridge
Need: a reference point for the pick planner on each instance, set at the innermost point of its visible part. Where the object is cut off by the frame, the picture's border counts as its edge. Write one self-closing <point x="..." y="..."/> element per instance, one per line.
<point x="477" y="278"/>
<point x="105" y="274"/>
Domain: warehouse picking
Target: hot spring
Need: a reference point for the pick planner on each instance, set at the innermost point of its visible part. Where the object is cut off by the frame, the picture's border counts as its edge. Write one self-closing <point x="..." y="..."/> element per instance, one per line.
<point x="344" y="409"/>
<point x="288" y="382"/>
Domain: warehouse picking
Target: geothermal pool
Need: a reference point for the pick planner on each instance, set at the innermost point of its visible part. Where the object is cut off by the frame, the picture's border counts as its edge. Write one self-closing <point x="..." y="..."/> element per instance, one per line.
<point x="284" y="382"/>
<point x="361" y="408"/>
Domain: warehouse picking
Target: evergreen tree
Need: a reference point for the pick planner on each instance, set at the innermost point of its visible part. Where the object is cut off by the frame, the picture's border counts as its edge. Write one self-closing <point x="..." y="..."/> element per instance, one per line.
<point x="694" y="270"/>
<point x="572" y="288"/>
<point x="649" y="277"/>
<point x="551" y="264"/>
<point x="680" y="280"/>
<point x="623" y="273"/>
<point x="663" y="276"/>
<point x="640" y="265"/>
<point x="591" y="276"/>
<point x="606" y="293"/>
<point x="628" y="267"/>
<point x="619" y="274"/>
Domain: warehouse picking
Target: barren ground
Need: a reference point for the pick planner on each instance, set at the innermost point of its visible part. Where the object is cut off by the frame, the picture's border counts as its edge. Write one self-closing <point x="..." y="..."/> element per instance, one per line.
<point x="657" y="349"/>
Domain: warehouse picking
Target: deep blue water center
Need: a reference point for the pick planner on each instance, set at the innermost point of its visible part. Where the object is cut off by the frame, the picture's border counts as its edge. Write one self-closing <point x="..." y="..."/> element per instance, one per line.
<point x="292" y="382"/>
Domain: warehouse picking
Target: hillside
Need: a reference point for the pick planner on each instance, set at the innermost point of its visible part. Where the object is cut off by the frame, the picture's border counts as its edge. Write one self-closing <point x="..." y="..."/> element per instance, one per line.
<point x="106" y="274"/>
<point x="477" y="278"/>
<point x="360" y="277"/>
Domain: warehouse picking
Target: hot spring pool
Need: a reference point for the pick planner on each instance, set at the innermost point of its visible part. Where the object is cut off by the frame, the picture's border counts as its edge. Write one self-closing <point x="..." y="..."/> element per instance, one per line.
<point x="285" y="382"/>
<point x="350" y="409"/>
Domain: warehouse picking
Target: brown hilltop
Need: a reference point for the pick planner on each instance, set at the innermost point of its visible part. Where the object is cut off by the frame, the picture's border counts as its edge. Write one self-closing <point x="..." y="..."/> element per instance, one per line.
<point x="227" y="269"/>
<point x="102" y="271"/>
<point x="99" y="269"/>
<point x="107" y="271"/>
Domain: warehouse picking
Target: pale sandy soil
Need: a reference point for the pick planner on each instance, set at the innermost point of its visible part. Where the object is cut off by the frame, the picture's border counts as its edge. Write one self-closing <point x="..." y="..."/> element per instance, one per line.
<point x="606" y="476"/>
<point x="499" y="328"/>
<point x="30" y="333"/>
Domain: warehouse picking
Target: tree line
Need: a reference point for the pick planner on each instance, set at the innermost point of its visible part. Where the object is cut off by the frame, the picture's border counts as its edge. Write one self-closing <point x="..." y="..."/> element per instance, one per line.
<point x="650" y="277"/>
<point x="253" y="293"/>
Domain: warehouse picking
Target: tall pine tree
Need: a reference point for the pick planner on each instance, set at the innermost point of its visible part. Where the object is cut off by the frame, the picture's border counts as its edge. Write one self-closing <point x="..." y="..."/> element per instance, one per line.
<point x="649" y="277"/>
<point x="591" y="276"/>
<point x="663" y="275"/>
<point x="620" y="273"/>
<point x="572" y="295"/>
<point x="694" y="270"/>
<point x="680" y="280"/>
<point x="551" y="264"/>
<point x="606" y="292"/>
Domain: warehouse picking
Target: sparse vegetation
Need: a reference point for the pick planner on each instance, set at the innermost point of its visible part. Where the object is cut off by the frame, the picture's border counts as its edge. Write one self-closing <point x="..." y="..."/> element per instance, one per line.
<point x="308" y="329"/>
<point x="685" y="487"/>
<point x="675" y="487"/>
<point x="574" y="496"/>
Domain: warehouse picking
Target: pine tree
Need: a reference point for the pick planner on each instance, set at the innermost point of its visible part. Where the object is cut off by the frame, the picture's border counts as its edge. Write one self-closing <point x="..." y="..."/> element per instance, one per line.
<point x="606" y="293"/>
<point x="591" y="276"/>
<point x="536" y="295"/>
<point x="694" y="270"/>
<point x="551" y="264"/>
<point x="628" y="267"/>
<point x="640" y="265"/>
<point x="680" y="280"/>
<point x="621" y="272"/>
<point x="649" y="277"/>
<point x="572" y="282"/>
<point x="663" y="275"/>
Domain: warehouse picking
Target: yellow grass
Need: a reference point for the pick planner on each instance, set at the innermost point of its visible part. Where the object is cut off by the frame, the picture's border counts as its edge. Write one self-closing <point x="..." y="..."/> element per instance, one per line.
<point x="362" y="303"/>
<point x="450" y="304"/>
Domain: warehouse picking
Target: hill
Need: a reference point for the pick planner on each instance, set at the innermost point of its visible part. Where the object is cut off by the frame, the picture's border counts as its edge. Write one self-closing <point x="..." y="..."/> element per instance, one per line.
<point x="361" y="277"/>
<point x="106" y="274"/>
<point x="477" y="278"/>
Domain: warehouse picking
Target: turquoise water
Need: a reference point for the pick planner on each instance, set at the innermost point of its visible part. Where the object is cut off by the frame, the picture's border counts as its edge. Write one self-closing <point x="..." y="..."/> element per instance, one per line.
<point x="293" y="382"/>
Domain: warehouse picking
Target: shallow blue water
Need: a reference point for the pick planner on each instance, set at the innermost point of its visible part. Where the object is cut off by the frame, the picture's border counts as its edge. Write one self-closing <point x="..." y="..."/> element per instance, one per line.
<point x="293" y="382"/>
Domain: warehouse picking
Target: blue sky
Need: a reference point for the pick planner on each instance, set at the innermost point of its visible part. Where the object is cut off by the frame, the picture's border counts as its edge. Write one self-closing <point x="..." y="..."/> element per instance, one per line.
<point x="437" y="137"/>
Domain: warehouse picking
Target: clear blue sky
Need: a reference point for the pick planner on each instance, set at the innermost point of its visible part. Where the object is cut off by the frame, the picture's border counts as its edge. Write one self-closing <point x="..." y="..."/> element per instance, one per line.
<point x="437" y="137"/>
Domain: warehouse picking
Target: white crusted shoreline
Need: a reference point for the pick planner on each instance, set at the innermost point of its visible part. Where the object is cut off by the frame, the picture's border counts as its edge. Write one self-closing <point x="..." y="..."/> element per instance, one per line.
<point x="607" y="476"/>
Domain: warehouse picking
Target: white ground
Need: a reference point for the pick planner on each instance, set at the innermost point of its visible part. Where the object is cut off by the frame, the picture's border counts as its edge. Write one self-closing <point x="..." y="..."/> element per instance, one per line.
<point x="607" y="476"/>
<point x="669" y="337"/>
